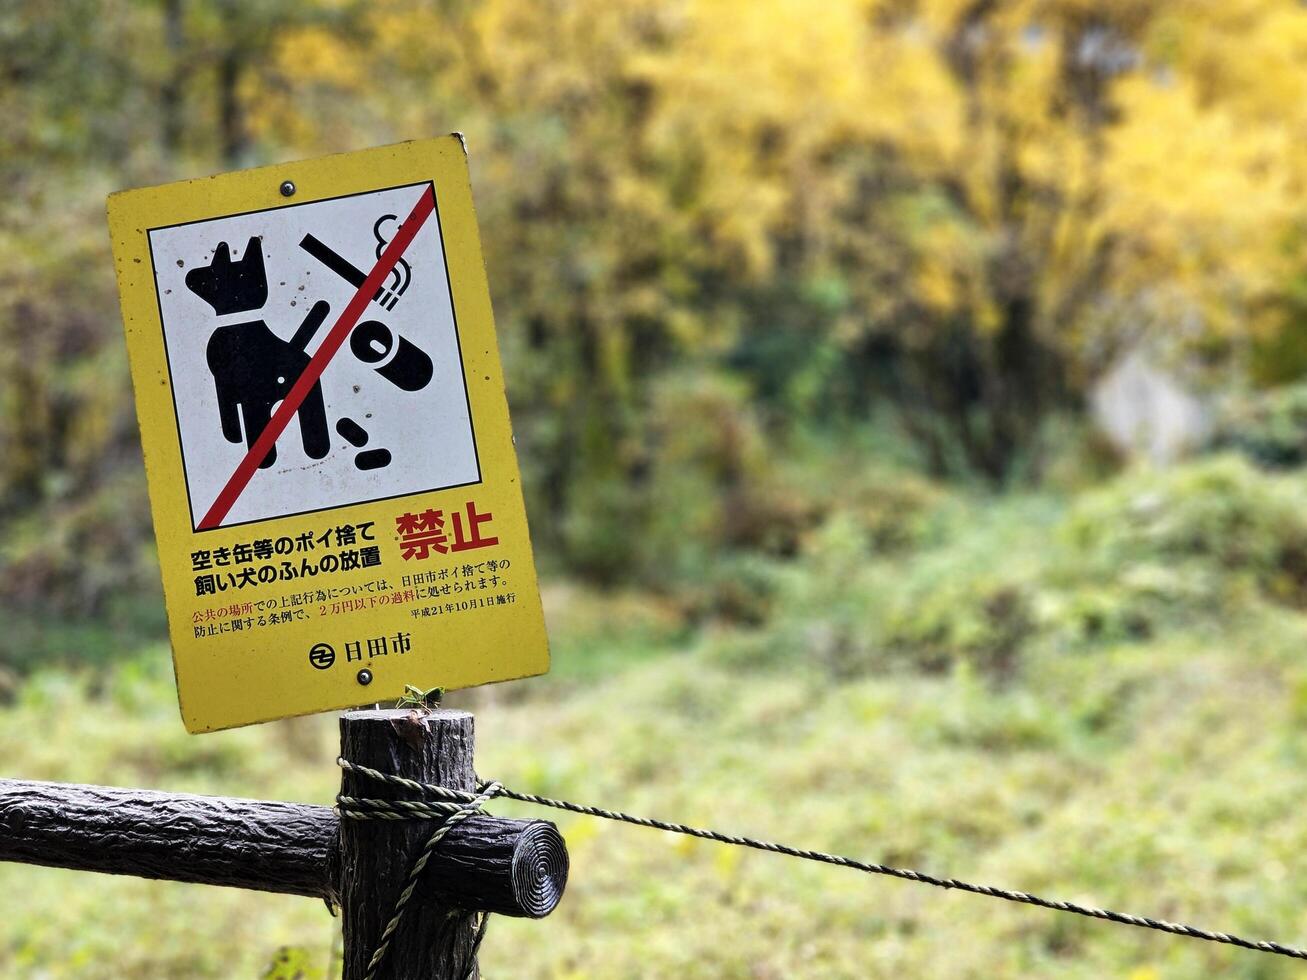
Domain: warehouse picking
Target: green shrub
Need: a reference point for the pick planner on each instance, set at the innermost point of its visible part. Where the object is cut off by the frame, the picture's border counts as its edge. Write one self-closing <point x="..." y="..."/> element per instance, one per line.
<point x="846" y="609"/>
<point x="1269" y="427"/>
<point x="699" y="482"/>
<point x="897" y="510"/>
<point x="1219" y="512"/>
<point x="713" y="481"/>
<point x="1000" y="577"/>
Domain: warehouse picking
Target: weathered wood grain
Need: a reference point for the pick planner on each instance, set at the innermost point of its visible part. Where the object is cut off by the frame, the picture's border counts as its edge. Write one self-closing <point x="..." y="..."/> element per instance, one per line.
<point x="257" y="844"/>
<point x="511" y="867"/>
<point x="477" y="869"/>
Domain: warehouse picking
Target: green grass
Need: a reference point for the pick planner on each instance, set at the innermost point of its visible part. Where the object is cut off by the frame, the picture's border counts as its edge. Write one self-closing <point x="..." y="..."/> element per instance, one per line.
<point x="1013" y="698"/>
<point x="1163" y="778"/>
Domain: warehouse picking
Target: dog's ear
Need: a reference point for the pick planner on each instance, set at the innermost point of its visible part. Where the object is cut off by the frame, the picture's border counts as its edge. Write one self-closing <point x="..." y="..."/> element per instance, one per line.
<point x="200" y="280"/>
<point x="232" y="287"/>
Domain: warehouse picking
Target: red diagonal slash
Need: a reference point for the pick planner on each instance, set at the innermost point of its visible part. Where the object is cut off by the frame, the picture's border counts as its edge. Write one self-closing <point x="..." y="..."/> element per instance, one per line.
<point x="299" y="391"/>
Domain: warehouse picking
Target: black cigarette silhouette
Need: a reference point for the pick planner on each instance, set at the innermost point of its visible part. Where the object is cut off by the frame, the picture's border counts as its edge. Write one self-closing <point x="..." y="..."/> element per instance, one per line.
<point x="346" y="270"/>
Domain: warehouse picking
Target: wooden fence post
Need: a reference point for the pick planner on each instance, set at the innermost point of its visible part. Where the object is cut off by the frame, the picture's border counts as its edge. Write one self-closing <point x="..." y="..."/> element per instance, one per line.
<point x="435" y="939"/>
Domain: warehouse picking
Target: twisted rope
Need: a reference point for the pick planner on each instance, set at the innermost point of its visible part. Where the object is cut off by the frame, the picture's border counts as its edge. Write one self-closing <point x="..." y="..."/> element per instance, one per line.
<point x="447" y="814"/>
<point x="441" y="799"/>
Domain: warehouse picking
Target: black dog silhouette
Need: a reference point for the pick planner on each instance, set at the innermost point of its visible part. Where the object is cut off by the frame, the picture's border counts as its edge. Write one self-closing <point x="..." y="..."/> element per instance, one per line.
<point x="253" y="369"/>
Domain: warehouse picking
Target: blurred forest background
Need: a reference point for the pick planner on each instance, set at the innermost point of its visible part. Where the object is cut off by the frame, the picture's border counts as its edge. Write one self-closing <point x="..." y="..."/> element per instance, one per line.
<point x="912" y="401"/>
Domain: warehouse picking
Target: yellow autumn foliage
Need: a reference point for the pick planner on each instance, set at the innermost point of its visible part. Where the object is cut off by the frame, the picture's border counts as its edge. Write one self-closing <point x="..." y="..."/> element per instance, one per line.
<point x="961" y="210"/>
<point x="950" y="162"/>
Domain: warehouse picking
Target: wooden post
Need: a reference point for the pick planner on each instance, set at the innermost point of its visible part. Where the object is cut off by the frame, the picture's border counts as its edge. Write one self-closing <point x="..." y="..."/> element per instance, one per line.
<point x="435" y="939"/>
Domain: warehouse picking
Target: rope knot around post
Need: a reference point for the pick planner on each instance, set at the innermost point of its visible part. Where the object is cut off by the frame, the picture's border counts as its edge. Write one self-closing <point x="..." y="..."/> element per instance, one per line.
<point x="417" y="888"/>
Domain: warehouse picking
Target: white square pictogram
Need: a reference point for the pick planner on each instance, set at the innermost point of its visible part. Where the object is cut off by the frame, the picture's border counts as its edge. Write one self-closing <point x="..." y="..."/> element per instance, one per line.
<point x="245" y="301"/>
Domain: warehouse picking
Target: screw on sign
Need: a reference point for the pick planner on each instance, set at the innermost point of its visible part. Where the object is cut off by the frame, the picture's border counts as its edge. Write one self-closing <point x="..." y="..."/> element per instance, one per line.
<point x="324" y="421"/>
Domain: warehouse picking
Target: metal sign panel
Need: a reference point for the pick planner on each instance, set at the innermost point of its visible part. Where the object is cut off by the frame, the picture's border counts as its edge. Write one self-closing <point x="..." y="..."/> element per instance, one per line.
<point x="335" y="490"/>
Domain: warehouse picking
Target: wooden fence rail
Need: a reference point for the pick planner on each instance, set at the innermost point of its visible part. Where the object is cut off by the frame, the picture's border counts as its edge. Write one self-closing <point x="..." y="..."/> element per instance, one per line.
<point x="490" y="864"/>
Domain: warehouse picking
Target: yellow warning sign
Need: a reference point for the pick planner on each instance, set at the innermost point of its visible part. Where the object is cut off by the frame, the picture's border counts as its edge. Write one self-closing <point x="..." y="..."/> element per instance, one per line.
<point x="335" y="490"/>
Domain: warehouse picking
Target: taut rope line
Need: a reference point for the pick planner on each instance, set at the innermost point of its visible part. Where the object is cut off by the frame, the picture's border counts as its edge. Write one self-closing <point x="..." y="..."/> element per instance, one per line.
<point x="449" y="805"/>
